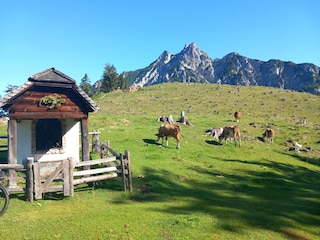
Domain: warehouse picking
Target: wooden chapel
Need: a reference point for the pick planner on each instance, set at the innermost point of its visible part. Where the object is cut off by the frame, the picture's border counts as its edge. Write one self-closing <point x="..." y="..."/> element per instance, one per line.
<point x="48" y="120"/>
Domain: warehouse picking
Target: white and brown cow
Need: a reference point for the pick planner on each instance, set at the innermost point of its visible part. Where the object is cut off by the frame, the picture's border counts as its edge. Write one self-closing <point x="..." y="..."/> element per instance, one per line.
<point x="214" y="132"/>
<point x="166" y="119"/>
<point x="231" y="132"/>
<point x="169" y="130"/>
<point x="237" y="116"/>
<point x="269" y="134"/>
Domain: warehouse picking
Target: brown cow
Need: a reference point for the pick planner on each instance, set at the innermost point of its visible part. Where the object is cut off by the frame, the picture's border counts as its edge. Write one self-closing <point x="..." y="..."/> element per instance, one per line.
<point x="231" y="132"/>
<point x="169" y="130"/>
<point x="237" y="116"/>
<point x="269" y="133"/>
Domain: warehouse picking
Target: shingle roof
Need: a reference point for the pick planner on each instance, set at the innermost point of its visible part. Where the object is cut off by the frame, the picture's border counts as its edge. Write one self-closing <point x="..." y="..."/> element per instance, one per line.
<point x="50" y="75"/>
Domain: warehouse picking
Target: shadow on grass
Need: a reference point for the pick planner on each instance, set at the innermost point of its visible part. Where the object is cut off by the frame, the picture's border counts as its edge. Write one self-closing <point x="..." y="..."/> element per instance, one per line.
<point x="151" y="141"/>
<point x="261" y="139"/>
<point x="304" y="158"/>
<point x="212" y="142"/>
<point x="273" y="197"/>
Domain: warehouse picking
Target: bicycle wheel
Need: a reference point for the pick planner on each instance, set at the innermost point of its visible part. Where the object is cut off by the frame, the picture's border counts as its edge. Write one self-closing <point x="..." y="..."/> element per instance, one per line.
<point x="4" y="200"/>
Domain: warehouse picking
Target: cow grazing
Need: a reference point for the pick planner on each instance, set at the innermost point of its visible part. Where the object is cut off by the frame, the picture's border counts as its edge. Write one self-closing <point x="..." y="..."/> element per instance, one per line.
<point x="237" y="116"/>
<point x="231" y="132"/>
<point x="214" y="132"/>
<point x="269" y="133"/>
<point x="169" y="130"/>
<point x="166" y="119"/>
<point x="209" y="132"/>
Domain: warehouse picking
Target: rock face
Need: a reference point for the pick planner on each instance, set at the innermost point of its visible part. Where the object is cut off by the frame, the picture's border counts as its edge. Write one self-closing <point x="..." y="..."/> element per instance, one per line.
<point x="194" y="65"/>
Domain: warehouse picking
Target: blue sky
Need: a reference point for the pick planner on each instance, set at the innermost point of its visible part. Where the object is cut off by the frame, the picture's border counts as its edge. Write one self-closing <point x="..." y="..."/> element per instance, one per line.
<point x="78" y="37"/>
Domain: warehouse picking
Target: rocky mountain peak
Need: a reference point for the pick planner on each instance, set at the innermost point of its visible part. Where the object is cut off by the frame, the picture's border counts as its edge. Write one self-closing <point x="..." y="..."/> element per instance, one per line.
<point x="165" y="57"/>
<point x="194" y="65"/>
<point x="191" y="51"/>
<point x="190" y="48"/>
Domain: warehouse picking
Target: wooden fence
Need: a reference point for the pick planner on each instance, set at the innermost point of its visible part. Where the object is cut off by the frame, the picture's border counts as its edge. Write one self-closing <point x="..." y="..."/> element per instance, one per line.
<point x="63" y="175"/>
<point x="110" y="167"/>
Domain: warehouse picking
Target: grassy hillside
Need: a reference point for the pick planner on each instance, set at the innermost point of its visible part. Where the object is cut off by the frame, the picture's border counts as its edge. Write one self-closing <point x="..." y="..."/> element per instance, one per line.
<point x="202" y="191"/>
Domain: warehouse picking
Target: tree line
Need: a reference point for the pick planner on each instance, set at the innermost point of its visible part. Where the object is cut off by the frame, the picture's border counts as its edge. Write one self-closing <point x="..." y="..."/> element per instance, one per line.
<point x="109" y="82"/>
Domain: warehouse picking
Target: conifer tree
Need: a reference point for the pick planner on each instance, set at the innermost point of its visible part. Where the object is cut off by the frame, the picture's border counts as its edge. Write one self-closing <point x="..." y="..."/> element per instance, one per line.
<point x="111" y="80"/>
<point x="86" y="85"/>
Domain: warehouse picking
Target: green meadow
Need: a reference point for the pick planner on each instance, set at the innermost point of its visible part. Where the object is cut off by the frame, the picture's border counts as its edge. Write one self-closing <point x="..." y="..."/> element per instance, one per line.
<point x="204" y="190"/>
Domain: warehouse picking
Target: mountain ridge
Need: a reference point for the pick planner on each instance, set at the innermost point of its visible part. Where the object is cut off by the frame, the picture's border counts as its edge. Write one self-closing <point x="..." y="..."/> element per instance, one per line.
<point x="194" y="65"/>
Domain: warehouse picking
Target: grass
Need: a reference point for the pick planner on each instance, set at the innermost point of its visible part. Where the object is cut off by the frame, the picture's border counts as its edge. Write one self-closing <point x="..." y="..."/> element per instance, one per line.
<point x="202" y="191"/>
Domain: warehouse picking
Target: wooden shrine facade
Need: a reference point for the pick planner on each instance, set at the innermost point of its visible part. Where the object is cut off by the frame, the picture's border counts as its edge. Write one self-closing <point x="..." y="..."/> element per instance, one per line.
<point x="46" y="115"/>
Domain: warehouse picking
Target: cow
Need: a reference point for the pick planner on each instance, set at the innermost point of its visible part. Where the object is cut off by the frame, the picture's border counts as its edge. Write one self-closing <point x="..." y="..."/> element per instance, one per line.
<point x="269" y="133"/>
<point x="168" y="119"/>
<point x="214" y="132"/>
<point x="169" y="130"/>
<point x="231" y="132"/>
<point x="237" y="116"/>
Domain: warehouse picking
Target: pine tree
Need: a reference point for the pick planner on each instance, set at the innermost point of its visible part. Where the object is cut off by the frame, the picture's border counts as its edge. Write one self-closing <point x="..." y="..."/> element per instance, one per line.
<point x="122" y="81"/>
<point x="109" y="79"/>
<point x="86" y="85"/>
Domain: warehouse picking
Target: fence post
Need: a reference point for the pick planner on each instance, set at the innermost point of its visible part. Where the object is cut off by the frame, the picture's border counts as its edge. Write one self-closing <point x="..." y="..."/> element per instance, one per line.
<point x="71" y="176"/>
<point x="129" y="178"/>
<point x="95" y="139"/>
<point x="66" y="178"/>
<point x="37" y="180"/>
<point x="123" y="173"/>
<point x="101" y="149"/>
<point x="30" y="179"/>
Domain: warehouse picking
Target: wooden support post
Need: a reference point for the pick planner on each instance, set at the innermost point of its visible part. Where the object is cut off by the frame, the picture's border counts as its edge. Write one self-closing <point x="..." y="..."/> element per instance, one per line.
<point x="37" y="181"/>
<point x="127" y="156"/>
<point x="30" y="180"/>
<point x="71" y="168"/>
<point x="123" y="173"/>
<point x="12" y="152"/>
<point x="66" y="178"/>
<point x="101" y="149"/>
<point x="71" y="176"/>
<point x="85" y="141"/>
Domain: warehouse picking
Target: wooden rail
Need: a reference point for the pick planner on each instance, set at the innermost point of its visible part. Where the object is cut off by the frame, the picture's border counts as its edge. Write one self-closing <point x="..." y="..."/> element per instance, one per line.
<point x="86" y="175"/>
<point x="12" y="166"/>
